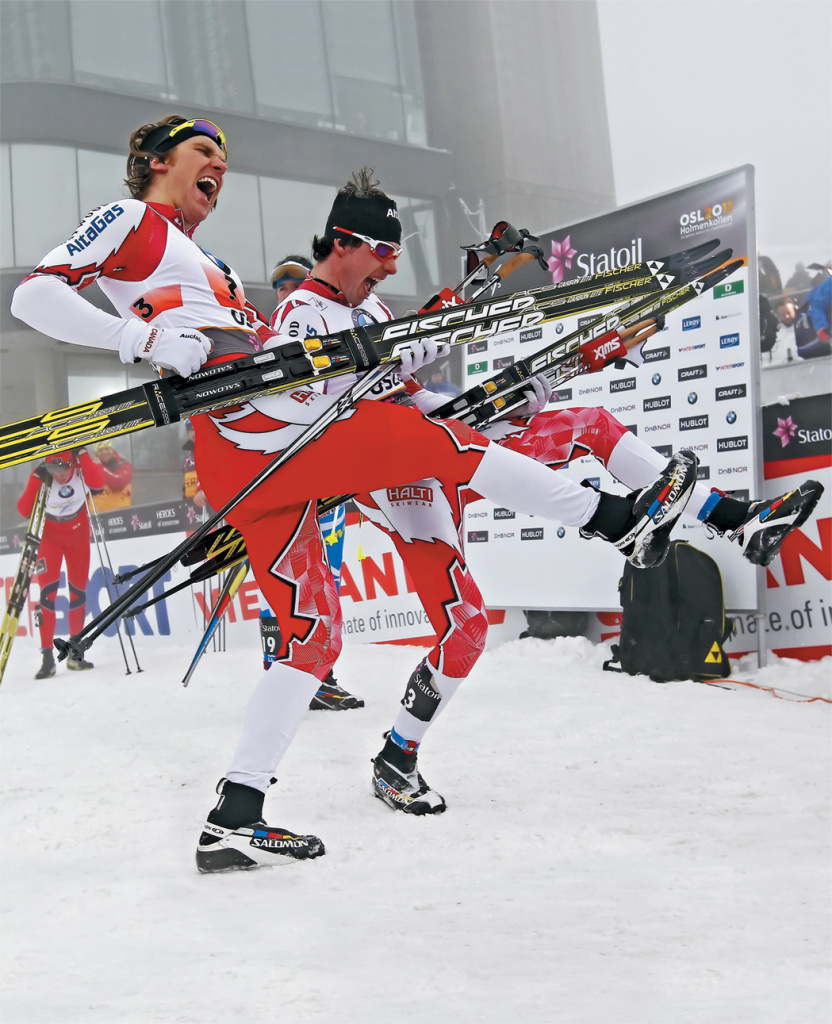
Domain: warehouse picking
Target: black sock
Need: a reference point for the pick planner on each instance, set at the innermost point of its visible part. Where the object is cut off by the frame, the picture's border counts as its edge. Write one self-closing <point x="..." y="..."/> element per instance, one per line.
<point x="238" y="805"/>
<point x="393" y="754"/>
<point x="612" y="518"/>
<point x="728" y="514"/>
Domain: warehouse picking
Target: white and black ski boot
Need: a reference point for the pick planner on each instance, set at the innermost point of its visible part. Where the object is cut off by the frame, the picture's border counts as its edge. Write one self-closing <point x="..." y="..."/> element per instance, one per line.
<point x="332" y="697"/>
<point x="47" y="669"/>
<point x="79" y="664"/>
<point x="767" y="523"/>
<point x="640" y="524"/>
<point x="396" y="780"/>
<point x="235" y="837"/>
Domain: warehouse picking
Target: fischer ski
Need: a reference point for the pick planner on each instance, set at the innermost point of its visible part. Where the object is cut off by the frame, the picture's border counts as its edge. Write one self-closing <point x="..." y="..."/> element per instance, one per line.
<point x="297" y="363"/>
<point x="26" y="570"/>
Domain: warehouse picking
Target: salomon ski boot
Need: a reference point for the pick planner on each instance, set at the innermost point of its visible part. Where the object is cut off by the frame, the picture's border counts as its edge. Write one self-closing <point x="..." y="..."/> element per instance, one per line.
<point x="47" y="669"/>
<point x="640" y="524"/>
<point x="396" y="781"/>
<point x="332" y="697"/>
<point x="236" y="838"/>
<point x="767" y="523"/>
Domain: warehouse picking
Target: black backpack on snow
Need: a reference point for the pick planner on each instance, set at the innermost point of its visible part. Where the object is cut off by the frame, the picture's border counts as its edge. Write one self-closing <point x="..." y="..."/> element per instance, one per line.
<point x="673" y="624"/>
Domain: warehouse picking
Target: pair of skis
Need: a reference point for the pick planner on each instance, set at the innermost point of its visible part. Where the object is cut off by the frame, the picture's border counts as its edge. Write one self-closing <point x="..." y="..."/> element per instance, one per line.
<point x="167" y="400"/>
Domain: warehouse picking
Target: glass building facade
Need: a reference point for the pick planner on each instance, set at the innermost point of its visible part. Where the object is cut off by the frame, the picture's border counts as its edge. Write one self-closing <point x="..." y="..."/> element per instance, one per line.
<point x="434" y="95"/>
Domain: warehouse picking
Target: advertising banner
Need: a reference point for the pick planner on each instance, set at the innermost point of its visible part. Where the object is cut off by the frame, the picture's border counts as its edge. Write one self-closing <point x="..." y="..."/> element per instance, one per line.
<point x="697" y="389"/>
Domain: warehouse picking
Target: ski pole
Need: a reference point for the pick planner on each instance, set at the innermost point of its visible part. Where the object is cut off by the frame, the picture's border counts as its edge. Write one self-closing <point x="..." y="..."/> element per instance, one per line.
<point x="76" y="645"/>
<point x="100" y="541"/>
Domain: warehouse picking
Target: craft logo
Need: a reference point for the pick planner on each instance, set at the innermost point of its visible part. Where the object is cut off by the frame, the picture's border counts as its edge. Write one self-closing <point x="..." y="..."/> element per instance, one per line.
<point x="730" y="391"/>
<point x="654" y="404"/>
<point x="656" y="355"/>
<point x="616" y="258"/>
<point x="532" y="533"/>
<point x="722" y="291"/>
<point x="503" y="513"/>
<point x="623" y="408"/>
<point x="535" y="334"/>
<point x="502" y="362"/>
<point x="477" y="536"/>
<point x="693" y="372"/>
<point x="718" y="215"/>
<point x="411" y="493"/>
<point x="585" y="321"/>
<point x="481" y="367"/>
<point x="626" y="384"/>
<point x="729" y="340"/>
<point x="691" y="323"/>
<point x="731" y="366"/>
<point x="693" y="422"/>
<point x="477" y="346"/>
<point x="732" y="444"/>
<point x="562" y="395"/>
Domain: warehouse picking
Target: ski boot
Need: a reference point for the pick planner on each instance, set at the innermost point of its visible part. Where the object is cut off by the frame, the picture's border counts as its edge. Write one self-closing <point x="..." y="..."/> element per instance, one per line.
<point x="396" y="779"/>
<point x="235" y="837"/>
<point x="767" y="523"/>
<point x="640" y="524"/>
<point x="47" y="669"/>
<point x="79" y="664"/>
<point x="332" y="697"/>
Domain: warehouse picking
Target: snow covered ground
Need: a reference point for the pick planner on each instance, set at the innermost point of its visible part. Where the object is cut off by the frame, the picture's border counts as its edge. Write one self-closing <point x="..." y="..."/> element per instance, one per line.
<point x="614" y="851"/>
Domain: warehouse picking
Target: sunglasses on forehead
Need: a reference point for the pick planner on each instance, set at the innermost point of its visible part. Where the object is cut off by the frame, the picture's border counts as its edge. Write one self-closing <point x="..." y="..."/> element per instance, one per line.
<point x="382" y="251"/>
<point x="165" y="137"/>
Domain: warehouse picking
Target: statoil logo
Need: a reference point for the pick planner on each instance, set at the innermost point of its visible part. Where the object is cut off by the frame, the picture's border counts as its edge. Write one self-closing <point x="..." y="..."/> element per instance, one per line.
<point x="615" y="258"/>
<point x="716" y="215"/>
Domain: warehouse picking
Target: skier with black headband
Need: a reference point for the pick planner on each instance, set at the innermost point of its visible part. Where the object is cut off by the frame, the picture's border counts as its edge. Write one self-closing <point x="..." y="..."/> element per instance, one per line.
<point x="358" y="251"/>
<point x="177" y="305"/>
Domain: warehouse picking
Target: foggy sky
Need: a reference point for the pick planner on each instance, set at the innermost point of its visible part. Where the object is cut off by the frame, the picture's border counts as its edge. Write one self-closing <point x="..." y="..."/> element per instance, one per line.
<point x="696" y="87"/>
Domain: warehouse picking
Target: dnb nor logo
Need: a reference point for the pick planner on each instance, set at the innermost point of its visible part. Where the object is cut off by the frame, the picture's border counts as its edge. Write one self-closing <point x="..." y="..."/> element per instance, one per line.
<point x="721" y="291"/>
<point x="564" y="253"/>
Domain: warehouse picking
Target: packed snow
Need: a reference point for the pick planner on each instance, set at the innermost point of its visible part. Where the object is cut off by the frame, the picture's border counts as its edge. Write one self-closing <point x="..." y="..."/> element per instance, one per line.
<point x="614" y="851"/>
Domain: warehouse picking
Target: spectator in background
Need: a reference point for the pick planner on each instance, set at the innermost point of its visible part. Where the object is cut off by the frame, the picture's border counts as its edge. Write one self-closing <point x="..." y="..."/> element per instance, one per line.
<point x="439" y="385"/>
<point x="810" y="320"/>
<point x="289" y="274"/>
<point x="118" y="478"/>
<point x="66" y="537"/>
<point x="191" y="489"/>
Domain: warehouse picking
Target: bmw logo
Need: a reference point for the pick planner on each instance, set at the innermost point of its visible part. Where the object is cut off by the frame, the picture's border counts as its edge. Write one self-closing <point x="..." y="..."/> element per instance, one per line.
<point x="559" y="329"/>
<point x="731" y="417"/>
<point x="656" y="378"/>
<point x="561" y="532"/>
<point x="693" y="398"/>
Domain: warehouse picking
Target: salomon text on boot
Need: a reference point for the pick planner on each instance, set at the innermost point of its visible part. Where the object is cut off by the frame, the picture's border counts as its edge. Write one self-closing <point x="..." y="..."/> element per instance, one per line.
<point x="396" y="778"/>
<point x="332" y="697"/>
<point x="640" y="524"/>
<point x="235" y="837"/>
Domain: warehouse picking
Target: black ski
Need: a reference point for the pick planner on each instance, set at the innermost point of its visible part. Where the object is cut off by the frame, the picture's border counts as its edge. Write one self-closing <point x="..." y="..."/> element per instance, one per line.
<point x="167" y="400"/>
